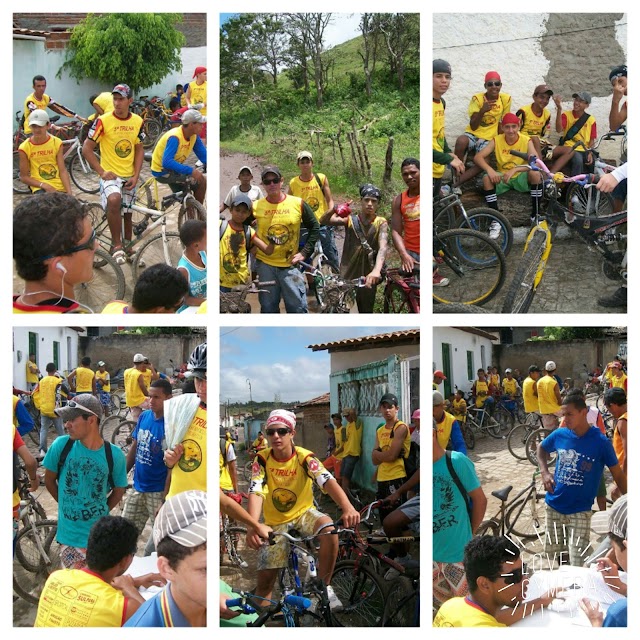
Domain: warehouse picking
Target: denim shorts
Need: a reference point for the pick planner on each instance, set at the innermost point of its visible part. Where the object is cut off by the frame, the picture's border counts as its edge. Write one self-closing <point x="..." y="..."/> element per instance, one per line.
<point x="348" y="466"/>
<point x="476" y="144"/>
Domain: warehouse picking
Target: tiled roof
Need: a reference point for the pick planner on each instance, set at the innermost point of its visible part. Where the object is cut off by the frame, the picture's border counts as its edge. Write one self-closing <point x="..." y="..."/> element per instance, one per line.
<point x="408" y="335"/>
<point x="325" y="398"/>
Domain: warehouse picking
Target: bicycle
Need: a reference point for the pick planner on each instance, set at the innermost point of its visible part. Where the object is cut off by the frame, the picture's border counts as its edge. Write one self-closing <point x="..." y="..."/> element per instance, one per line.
<point x="231" y="538"/>
<point x="531" y="446"/>
<point x="109" y="425"/>
<point x="473" y="263"/>
<point x="402" y="291"/>
<point x="508" y="412"/>
<point x="334" y="294"/>
<point x="517" y="438"/>
<point x="234" y="301"/>
<point x="479" y="420"/>
<point x="595" y="232"/>
<point x="287" y="609"/>
<point x="34" y="412"/>
<point x="402" y="607"/>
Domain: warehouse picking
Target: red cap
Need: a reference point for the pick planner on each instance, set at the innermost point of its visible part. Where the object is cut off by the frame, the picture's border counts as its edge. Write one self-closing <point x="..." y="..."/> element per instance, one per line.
<point x="510" y="118"/>
<point x="199" y="70"/>
<point x="440" y="374"/>
<point x="492" y="75"/>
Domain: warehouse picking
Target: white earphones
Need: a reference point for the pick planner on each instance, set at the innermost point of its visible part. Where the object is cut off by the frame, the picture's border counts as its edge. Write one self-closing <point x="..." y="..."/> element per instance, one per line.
<point x="61" y="267"/>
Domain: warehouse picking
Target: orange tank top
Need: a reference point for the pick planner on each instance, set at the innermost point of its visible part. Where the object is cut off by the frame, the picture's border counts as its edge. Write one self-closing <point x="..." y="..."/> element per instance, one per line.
<point x="618" y="446"/>
<point x="410" y="210"/>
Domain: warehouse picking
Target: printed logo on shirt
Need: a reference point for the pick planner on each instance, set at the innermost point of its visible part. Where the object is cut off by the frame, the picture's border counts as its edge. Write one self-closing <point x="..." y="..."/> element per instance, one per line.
<point x="278" y="234"/>
<point x="48" y="171"/>
<point x="283" y="500"/>
<point x="192" y="457"/>
<point x="124" y="148"/>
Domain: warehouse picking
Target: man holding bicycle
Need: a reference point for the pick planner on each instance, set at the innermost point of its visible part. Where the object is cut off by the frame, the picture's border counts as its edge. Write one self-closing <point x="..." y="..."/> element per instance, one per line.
<point x="281" y="484"/>
<point x="174" y="147"/>
<point x="119" y="135"/>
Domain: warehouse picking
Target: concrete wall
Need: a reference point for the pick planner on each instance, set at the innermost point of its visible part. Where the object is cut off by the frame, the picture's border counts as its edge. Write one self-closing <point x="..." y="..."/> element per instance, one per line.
<point x="569" y="355"/>
<point x="524" y="49"/>
<point x="309" y="431"/>
<point x="341" y="360"/>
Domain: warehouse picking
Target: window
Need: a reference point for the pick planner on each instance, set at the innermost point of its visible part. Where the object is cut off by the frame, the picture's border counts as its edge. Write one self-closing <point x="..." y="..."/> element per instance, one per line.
<point x="33" y="345"/>
<point x="56" y="354"/>
<point x="483" y="358"/>
<point x="471" y="370"/>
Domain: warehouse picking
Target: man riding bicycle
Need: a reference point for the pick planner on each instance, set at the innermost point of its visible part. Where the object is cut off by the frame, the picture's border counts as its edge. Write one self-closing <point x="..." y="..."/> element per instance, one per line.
<point x="172" y="150"/>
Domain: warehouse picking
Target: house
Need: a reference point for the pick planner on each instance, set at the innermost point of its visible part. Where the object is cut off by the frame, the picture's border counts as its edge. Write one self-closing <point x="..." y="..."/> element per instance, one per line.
<point x="364" y="369"/>
<point x="311" y="416"/>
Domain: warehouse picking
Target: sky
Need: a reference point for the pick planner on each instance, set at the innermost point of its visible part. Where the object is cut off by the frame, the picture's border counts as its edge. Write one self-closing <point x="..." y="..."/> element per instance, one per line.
<point x="344" y="27"/>
<point x="276" y="360"/>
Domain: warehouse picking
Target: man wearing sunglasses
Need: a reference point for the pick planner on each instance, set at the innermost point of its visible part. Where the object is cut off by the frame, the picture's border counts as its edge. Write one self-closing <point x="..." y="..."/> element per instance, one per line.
<point x="281" y="483"/>
<point x="53" y="249"/>
<point x="485" y="113"/>
<point x="279" y="219"/>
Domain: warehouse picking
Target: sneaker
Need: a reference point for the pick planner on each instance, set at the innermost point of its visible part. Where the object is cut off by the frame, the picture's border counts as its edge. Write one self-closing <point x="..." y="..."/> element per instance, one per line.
<point x="617" y="299"/>
<point x="119" y="256"/>
<point x="334" y="601"/>
<point x="439" y="281"/>
<point x="494" y="230"/>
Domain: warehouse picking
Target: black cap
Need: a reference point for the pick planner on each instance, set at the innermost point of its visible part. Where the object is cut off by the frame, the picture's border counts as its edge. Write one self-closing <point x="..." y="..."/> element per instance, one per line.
<point x="533" y="368"/>
<point x="441" y="66"/>
<point x="389" y="398"/>
<point x="270" y="169"/>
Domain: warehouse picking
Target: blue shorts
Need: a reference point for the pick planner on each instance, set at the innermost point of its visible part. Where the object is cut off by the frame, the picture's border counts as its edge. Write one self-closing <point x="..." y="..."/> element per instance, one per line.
<point x="348" y="466"/>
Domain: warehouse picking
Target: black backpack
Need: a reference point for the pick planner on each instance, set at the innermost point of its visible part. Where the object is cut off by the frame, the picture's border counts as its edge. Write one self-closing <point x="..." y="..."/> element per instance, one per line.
<point x="107" y="452"/>
<point x="412" y="459"/>
<point x="247" y="233"/>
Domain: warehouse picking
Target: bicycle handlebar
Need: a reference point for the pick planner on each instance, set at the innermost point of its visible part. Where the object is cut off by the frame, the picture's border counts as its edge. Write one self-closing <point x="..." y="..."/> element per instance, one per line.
<point x="337" y="530"/>
<point x="373" y="505"/>
<point x="535" y="164"/>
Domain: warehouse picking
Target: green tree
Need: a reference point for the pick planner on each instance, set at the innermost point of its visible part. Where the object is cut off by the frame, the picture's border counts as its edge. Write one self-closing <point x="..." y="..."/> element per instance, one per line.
<point x="139" y="49"/>
<point x="573" y="333"/>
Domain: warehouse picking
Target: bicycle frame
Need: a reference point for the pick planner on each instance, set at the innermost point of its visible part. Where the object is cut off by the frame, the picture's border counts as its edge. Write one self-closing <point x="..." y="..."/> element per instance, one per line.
<point x="500" y="516"/>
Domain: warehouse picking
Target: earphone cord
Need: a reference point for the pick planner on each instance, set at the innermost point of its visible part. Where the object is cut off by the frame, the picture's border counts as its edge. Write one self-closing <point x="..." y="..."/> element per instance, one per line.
<point x="59" y="300"/>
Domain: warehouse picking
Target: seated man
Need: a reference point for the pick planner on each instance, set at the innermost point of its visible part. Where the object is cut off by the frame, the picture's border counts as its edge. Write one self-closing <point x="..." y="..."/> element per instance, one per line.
<point x="172" y="150"/>
<point x="513" y="172"/>
<point x="99" y="595"/>
<point x="53" y="249"/>
<point x="535" y="118"/>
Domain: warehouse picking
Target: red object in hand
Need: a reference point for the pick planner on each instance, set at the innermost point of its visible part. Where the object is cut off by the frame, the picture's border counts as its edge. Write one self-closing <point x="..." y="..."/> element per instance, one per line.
<point x="343" y="210"/>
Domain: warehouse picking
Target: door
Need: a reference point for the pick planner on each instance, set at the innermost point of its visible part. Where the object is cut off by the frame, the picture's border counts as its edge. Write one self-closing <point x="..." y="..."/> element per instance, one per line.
<point x="446" y="368"/>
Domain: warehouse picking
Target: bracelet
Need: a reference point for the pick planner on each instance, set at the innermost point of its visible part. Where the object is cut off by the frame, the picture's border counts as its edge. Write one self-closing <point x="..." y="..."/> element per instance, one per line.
<point x="41" y="186"/>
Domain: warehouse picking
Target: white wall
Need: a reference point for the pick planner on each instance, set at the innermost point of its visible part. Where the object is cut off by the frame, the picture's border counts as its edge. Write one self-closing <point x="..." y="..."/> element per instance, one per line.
<point x="349" y="359"/>
<point x="460" y="342"/>
<point x="44" y="353"/>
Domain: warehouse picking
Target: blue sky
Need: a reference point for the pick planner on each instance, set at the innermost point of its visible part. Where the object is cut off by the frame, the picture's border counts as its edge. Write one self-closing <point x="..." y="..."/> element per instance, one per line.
<point x="276" y="360"/>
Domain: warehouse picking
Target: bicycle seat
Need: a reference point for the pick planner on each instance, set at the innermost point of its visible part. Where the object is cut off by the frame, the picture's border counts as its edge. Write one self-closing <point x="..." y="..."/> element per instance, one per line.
<point x="502" y="494"/>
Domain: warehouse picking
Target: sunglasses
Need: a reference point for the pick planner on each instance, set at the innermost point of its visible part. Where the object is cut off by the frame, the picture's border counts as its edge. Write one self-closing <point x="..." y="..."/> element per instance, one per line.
<point x="273" y="181"/>
<point x="72" y="404"/>
<point x="516" y="575"/>
<point x="280" y="432"/>
<point x="493" y="84"/>
<point x="89" y="244"/>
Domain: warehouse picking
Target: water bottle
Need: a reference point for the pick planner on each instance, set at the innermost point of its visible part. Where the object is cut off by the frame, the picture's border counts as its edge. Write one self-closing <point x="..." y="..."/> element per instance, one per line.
<point x="445" y="190"/>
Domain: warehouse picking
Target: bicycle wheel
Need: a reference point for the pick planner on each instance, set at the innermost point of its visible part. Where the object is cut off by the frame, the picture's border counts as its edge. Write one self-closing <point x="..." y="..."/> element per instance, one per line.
<point x="152" y="129"/>
<point x="327" y="271"/>
<point x="402" y="605"/>
<point x="18" y="185"/>
<point x="454" y="307"/>
<point x="107" y="284"/>
<point x="234" y="543"/>
<point x="82" y="175"/>
<point x="504" y="418"/>
<point x="361" y="592"/>
<point x="395" y="299"/>
<point x="157" y="249"/>
<point x="191" y="209"/>
<point x="525" y="518"/>
<point x="492" y="427"/>
<point x="578" y="201"/>
<point x="247" y="470"/>
<point x="468" y="436"/>
<point x="30" y="568"/>
<point x="109" y="425"/>
<point x="488" y="528"/>
<point x="516" y="440"/>
<point x="121" y="435"/>
<point x="115" y="404"/>
<point x="473" y="263"/>
<point x="600" y="403"/>
<point x="493" y="223"/>
<point x="531" y="446"/>
<point x="523" y="286"/>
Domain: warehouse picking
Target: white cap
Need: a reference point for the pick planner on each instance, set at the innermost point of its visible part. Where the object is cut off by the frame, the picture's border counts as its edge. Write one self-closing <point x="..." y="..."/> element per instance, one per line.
<point x="39" y="117"/>
<point x="139" y="358"/>
<point x="550" y="366"/>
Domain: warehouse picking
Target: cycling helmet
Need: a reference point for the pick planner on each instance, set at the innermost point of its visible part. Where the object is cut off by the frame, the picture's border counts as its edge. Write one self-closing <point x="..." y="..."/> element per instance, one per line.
<point x="616" y="72"/>
<point x="369" y="191"/>
<point x="197" y="364"/>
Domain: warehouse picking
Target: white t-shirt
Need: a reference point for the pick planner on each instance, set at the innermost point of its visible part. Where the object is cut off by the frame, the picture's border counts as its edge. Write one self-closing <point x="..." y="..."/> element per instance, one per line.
<point x="255" y="193"/>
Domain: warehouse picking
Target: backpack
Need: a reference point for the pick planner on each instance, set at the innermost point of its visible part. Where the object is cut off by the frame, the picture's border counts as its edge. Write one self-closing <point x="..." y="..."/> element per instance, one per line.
<point x="107" y="452"/>
<point x="247" y="233"/>
<point x="412" y="459"/>
<point x="458" y="483"/>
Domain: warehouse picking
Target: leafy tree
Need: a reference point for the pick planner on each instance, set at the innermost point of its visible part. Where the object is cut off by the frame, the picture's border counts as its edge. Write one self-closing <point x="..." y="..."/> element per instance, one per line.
<point x="139" y="49"/>
<point x="573" y="333"/>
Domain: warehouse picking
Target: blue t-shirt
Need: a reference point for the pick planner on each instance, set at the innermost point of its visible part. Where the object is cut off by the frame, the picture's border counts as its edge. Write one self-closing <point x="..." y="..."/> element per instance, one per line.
<point x="581" y="461"/>
<point x="83" y="486"/>
<point x="197" y="277"/>
<point x="159" y="611"/>
<point x="451" y="526"/>
<point x="150" y="472"/>
<point x="616" y="614"/>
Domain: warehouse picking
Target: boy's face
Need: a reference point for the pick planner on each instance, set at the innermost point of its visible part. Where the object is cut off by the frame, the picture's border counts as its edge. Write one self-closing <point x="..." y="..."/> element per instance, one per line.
<point x="189" y="577"/>
<point x="239" y="213"/>
<point x="541" y="99"/>
<point x="245" y="177"/>
<point x="441" y="82"/>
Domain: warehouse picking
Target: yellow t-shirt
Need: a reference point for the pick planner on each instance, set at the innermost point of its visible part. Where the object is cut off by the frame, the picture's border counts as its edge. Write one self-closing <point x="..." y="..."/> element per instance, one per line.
<point x="225" y="477"/>
<point x="504" y="159"/>
<point x="285" y="486"/>
<point x="531" y="403"/>
<point x="482" y="392"/>
<point x="43" y="163"/>
<point x="395" y="469"/>
<point x="48" y="386"/>
<point x="199" y="94"/>
<point x="133" y="392"/>
<point x="202" y="309"/>
<point x="310" y="192"/>
<point x="190" y="472"/>
<point x="494" y="379"/>
<point x="31" y="103"/>
<point x="510" y="386"/>
<point x="32" y="368"/>
<point x="117" y="306"/>
<point x="584" y="135"/>
<point x="618" y="445"/>
<point x="105" y="101"/>
<point x="618" y="382"/>
<point x="460" y="409"/>
<point x="146" y="376"/>
<point x="185" y="147"/>
<point x="340" y="436"/>
<point x="488" y="128"/>
<point x="80" y="598"/>
<point x="353" y="442"/>
<point x="533" y="125"/>
<point x="280" y="222"/>
<point x="457" y="612"/>
<point x="84" y="379"/>
<point x="118" y="139"/>
<point x="106" y="380"/>
<point x="444" y="429"/>
<point x="234" y="269"/>
<point x="438" y="135"/>
<point x="546" y="395"/>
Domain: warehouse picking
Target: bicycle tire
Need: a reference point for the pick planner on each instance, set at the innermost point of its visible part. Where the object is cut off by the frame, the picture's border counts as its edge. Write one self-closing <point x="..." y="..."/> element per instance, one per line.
<point x="231" y="536"/>
<point x="115" y="404"/>
<point x="600" y="403"/>
<point x="516" y="440"/>
<point x="395" y="299"/>
<point x="18" y="185"/>
<point x="481" y="218"/>
<point x="468" y="436"/>
<point x="402" y="604"/>
<point x="98" y="218"/>
<point x="578" y="201"/>
<point x="121" y="435"/>
<point x="34" y="434"/>
<point x="362" y="593"/>
<point x="191" y="209"/>
<point x="326" y="271"/>
<point x="488" y="528"/>
<point x="82" y="175"/>
<point x="454" y="307"/>
<point x="484" y="275"/>
<point x="108" y="426"/>
<point x="533" y="526"/>
<point x="531" y="445"/>
<point x="108" y="283"/>
<point x="29" y="578"/>
<point x="155" y="250"/>
<point x="504" y="418"/>
<point x="152" y="129"/>
<point x="521" y="289"/>
<point x="492" y="427"/>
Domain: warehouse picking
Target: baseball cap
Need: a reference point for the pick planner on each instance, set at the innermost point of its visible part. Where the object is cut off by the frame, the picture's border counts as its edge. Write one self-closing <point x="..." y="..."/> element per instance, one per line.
<point x="438" y="398"/>
<point x="492" y="75"/>
<point x="416" y="415"/>
<point x="616" y="72"/>
<point x="440" y="374"/>
<point x="389" y="398"/>
<point x="508" y="371"/>
<point x="542" y="88"/>
<point x="618" y="518"/>
<point x="84" y="404"/>
<point x="281" y="416"/>
<point x="534" y="367"/>
<point x="199" y="70"/>
<point x="139" y="358"/>
<point x="270" y="169"/>
<point x="245" y="168"/>
<point x="39" y="117"/>
<point x="550" y="366"/>
<point x="242" y="198"/>
<point x="183" y="518"/>
<point x="304" y="154"/>
<point x="192" y="115"/>
<point x="441" y="66"/>
<point x="585" y="96"/>
<point x="510" y="118"/>
<point x="123" y="89"/>
<point x="101" y="363"/>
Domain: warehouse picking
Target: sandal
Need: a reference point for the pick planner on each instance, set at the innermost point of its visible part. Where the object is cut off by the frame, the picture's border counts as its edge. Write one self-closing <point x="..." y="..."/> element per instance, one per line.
<point x="118" y="255"/>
